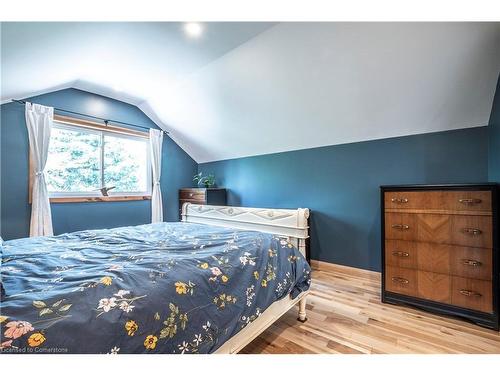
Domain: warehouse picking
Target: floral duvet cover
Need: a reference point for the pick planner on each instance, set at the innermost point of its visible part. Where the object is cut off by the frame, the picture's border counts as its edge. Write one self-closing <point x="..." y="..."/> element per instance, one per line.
<point x="156" y="288"/>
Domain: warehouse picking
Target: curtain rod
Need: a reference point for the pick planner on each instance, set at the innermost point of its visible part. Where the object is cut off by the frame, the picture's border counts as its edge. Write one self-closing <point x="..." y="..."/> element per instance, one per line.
<point x="106" y="121"/>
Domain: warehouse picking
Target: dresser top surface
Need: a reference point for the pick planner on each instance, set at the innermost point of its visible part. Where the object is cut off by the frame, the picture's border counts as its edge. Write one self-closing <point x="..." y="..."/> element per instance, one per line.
<point x="473" y="186"/>
<point x="202" y="189"/>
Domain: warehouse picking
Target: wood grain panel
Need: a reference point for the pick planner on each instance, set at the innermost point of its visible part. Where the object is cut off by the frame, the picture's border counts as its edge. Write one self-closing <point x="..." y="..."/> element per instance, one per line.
<point x="433" y="228"/>
<point x="473" y="263"/>
<point x="420" y="255"/>
<point x="427" y="285"/>
<point x="439" y="200"/>
<point x="192" y="194"/>
<point x="400" y="253"/>
<point x="434" y="286"/>
<point x="463" y="227"/>
<point x="433" y="257"/>
<point x="462" y="261"/>
<point x="401" y="280"/>
<point x="472" y="294"/>
<point x="400" y="226"/>
<point x="437" y="212"/>
<point x="469" y="293"/>
<point x="462" y="230"/>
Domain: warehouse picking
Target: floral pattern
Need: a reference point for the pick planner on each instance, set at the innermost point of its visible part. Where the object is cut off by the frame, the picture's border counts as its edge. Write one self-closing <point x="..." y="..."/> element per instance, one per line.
<point x="184" y="288"/>
<point x="168" y="287"/>
<point x="250" y="294"/>
<point x="36" y="339"/>
<point x="175" y="319"/>
<point x="17" y="329"/>
<point x="249" y="319"/>
<point x="114" y="350"/>
<point x="106" y="280"/>
<point x="223" y="300"/>
<point x="131" y="327"/>
<point x="150" y="342"/>
<point x="119" y="300"/>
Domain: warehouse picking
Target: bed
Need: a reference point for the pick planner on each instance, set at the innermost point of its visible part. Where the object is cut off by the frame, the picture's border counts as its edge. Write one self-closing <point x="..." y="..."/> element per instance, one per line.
<point x="209" y="284"/>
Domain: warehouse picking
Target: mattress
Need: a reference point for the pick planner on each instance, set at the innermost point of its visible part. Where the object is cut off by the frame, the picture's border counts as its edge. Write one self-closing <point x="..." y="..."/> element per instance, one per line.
<point x="156" y="288"/>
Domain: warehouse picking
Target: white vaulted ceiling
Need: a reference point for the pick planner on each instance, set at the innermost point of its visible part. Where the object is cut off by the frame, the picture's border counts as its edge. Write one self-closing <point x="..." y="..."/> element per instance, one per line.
<point x="245" y="89"/>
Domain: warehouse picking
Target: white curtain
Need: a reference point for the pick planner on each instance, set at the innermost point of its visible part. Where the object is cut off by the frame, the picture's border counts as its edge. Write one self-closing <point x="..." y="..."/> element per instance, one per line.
<point x="39" y="121"/>
<point x="155" y="142"/>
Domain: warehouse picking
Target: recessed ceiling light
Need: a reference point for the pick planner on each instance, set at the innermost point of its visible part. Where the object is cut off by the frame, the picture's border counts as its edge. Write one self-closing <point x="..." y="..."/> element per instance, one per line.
<point x="193" y="29"/>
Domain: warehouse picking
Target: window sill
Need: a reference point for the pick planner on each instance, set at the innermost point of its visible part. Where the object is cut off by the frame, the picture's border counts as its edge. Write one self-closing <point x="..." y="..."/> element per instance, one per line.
<point x="111" y="198"/>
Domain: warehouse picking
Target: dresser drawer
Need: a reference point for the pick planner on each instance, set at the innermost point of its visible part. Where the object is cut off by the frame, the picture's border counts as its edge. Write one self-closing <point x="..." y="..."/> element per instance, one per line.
<point x="401" y="253"/>
<point x="198" y="195"/>
<point x="472" y="294"/>
<point x="422" y="256"/>
<point x="462" y="230"/>
<point x="426" y="285"/>
<point x="474" y="231"/>
<point x="439" y="200"/>
<point x="434" y="286"/>
<point x="401" y="280"/>
<point x="421" y="284"/>
<point x="471" y="262"/>
<point x="468" y="293"/>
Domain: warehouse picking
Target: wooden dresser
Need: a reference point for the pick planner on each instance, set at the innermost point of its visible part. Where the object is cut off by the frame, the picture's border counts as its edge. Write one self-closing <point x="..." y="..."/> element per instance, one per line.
<point x="215" y="196"/>
<point x="440" y="249"/>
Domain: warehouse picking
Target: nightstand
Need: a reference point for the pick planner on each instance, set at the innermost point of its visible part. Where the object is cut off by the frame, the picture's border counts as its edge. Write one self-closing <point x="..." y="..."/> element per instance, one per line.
<point x="213" y="196"/>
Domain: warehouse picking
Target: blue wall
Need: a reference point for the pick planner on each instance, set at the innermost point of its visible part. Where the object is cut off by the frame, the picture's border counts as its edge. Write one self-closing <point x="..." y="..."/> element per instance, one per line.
<point x="177" y="170"/>
<point x="340" y="184"/>
<point x="494" y="138"/>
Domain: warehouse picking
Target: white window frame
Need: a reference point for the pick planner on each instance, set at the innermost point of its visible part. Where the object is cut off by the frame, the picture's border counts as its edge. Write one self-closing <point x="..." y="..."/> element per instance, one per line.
<point x="111" y="193"/>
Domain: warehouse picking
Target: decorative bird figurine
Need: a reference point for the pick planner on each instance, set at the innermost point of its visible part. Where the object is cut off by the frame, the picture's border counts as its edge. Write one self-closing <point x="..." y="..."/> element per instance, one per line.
<point x="104" y="190"/>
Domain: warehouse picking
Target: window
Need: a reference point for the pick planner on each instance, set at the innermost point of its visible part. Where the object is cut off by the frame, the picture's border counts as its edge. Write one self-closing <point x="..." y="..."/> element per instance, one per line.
<point x="85" y="157"/>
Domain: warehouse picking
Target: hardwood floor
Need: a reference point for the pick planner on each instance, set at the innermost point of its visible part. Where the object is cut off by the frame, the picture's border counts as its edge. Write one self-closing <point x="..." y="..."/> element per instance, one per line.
<point x="345" y="315"/>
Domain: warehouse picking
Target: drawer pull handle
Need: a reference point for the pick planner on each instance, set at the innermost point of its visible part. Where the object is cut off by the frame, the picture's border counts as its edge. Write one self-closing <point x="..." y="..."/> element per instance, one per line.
<point x="471" y="262"/>
<point x="470" y="293"/>
<point x="399" y="200"/>
<point x="400" y="226"/>
<point x="400" y="280"/>
<point x="401" y="254"/>
<point x="472" y="231"/>
<point x="468" y="201"/>
<point x="191" y="195"/>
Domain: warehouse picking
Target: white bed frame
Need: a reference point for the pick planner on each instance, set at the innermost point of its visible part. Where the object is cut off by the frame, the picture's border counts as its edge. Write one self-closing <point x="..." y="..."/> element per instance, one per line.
<point x="290" y="224"/>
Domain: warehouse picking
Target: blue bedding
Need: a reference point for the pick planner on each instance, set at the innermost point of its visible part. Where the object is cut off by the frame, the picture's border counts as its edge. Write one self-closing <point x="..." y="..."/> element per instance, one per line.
<point x="156" y="288"/>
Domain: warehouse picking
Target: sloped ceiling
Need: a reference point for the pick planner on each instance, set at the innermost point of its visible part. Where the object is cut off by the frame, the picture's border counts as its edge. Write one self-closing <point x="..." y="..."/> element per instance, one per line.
<point x="254" y="88"/>
<point x="134" y="62"/>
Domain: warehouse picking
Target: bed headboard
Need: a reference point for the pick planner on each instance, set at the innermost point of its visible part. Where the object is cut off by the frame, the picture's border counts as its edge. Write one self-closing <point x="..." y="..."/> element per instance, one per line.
<point x="292" y="224"/>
